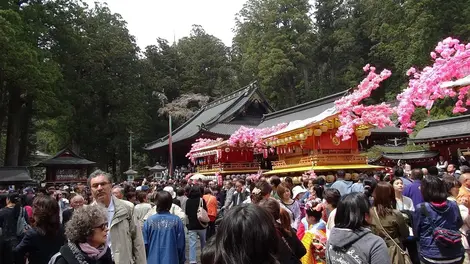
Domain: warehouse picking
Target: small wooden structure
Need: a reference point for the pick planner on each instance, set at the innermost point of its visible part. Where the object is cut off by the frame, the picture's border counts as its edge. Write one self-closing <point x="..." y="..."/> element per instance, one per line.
<point x="14" y="176"/>
<point x="66" y="167"/>
<point x="311" y="144"/>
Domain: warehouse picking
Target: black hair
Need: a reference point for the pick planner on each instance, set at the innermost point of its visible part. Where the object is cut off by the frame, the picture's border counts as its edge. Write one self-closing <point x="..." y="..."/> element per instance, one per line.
<point x="379" y="175"/>
<point x="194" y="192"/>
<point x="314" y="213"/>
<point x="433" y="171"/>
<point x="163" y="201"/>
<point x="351" y="211"/>
<point x="207" y="191"/>
<point x="398" y="172"/>
<point x="208" y="252"/>
<point x="11" y="220"/>
<point x="369" y="186"/>
<point x="332" y="196"/>
<point x="433" y="189"/>
<point x="450" y="182"/>
<point x="417" y="174"/>
<point x="275" y="180"/>
<point x="246" y="234"/>
<point x="340" y="174"/>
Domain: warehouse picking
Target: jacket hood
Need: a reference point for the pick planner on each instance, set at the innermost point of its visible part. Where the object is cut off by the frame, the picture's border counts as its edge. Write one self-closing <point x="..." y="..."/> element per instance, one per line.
<point x="341" y="237"/>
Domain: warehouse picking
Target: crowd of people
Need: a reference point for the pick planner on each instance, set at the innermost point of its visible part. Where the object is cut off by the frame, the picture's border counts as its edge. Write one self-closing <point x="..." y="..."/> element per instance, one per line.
<point x="405" y="216"/>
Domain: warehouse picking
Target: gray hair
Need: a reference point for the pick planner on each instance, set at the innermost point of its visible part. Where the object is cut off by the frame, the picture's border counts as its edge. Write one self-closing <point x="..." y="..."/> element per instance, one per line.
<point x="97" y="173"/>
<point x="84" y="220"/>
<point x="78" y="196"/>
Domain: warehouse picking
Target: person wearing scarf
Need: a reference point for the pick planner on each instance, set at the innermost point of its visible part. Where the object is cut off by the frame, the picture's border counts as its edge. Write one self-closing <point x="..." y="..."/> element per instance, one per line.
<point x="86" y="232"/>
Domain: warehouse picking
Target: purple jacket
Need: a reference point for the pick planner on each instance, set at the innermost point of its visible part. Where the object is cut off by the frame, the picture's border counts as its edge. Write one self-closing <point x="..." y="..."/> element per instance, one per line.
<point x="412" y="191"/>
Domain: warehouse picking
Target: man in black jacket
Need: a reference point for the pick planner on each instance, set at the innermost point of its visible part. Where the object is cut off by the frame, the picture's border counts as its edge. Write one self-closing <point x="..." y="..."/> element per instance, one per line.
<point x="240" y="194"/>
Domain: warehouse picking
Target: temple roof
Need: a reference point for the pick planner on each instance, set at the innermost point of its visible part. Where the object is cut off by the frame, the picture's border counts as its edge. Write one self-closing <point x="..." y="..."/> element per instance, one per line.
<point x="66" y="157"/>
<point x="301" y="111"/>
<point x="453" y="127"/>
<point x="216" y="116"/>
<point x="14" y="174"/>
<point x="410" y="155"/>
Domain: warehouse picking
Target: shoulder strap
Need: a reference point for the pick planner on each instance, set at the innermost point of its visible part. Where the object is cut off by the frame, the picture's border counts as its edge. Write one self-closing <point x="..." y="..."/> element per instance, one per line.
<point x="386" y="233"/>
<point x="425" y="212"/>
<point x="201" y="205"/>
<point x="54" y="258"/>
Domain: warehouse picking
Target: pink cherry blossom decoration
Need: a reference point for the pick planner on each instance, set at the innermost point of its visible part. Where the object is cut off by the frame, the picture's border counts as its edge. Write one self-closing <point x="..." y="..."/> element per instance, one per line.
<point x="353" y="114"/>
<point x="451" y="61"/>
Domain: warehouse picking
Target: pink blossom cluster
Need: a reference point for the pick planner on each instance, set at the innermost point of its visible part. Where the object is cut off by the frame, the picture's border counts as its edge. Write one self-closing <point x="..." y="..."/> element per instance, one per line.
<point x="310" y="174"/>
<point x="451" y="61"/>
<point x="252" y="137"/>
<point x="201" y="143"/>
<point x="353" y="114"/>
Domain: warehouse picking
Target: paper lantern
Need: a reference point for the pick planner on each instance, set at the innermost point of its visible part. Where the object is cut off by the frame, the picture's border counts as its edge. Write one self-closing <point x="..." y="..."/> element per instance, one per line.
<point x="301" y="136"/>
<point x="337" y="123"/>
<point x="324" y="128"/>
<point x="317" y="132"/>
<point x="347" y="176"/>
<point x="297" y="137"/>
<point x="331" y="125"/>
<point x="291" y="139"/>
<point x="330" y="178"/>
<point x="361" y="138"/>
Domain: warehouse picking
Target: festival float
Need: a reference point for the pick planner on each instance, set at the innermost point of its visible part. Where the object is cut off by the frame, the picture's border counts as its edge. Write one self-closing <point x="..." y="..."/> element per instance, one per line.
<point x="215" y="159"/>
<point x="236" y="157"/>
<point x="328" y="142"/>
<point x="313" y="145"/>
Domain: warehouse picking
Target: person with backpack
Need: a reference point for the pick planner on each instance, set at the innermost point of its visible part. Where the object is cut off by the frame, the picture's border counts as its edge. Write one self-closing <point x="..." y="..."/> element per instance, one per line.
<point x="13" y="224"/>
<point x="436" y="224"/>
<point x="86" y="233"/>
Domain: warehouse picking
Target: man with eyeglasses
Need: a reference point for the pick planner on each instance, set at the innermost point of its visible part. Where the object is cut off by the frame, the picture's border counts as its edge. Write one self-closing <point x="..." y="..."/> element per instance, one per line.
<point x="124" y="238"/>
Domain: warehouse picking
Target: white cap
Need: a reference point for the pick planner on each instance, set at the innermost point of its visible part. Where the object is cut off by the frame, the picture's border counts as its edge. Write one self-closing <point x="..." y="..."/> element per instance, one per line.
<point x="297" y="190"/>
<point x="171" y="191"/>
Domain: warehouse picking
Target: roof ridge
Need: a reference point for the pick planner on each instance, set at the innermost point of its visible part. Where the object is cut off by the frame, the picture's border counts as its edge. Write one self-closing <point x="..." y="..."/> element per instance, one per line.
<point x="411" y="151"/>
<point x="449" y="119"/>
<point x="318" y="100"/>
<point x="225" y="98"/>
<point x="253" y="89"/>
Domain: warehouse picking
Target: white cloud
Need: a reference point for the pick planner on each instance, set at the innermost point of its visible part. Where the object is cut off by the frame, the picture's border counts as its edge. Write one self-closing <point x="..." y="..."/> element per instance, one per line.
<point x="149" y="19"/>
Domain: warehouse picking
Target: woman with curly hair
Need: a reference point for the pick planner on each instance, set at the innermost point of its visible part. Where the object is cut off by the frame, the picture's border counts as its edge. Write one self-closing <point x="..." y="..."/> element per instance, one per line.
<point x="46" y="237"/>
<point x="86" y="232"/>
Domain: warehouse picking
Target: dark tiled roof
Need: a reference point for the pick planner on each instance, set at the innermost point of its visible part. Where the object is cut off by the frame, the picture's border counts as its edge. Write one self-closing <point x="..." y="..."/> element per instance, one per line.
<point x="445" y="128"/>
<point x="14" y="174"/>
<point x="300" y="112"/>
<point x="66" y="157"/>
<point x="209" y="116"/>
<point x="409" y="155"/>
<point x="226" y="128"/>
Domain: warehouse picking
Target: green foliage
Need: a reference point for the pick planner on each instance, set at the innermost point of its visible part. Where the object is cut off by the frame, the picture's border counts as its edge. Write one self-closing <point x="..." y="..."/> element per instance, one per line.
<point x="72" y="74"/>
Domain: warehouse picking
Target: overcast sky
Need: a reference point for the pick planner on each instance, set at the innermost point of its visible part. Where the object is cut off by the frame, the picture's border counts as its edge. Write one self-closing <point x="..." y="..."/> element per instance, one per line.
<point x="169" y="19"/>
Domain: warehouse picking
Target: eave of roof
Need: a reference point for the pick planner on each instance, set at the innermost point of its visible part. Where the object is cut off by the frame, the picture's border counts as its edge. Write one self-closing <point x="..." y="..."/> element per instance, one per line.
<point x="454" y="127"/>
<point x="14" y="174"/>
<point x="410" y="155"/>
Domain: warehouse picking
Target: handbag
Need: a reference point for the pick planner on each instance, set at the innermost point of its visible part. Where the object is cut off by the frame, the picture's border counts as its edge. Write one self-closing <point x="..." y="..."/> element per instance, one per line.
<point x="397" y="254"/>
<point x="444" y="237"/>
<point x="21" y="225"/>
<point x="202" y="215"/>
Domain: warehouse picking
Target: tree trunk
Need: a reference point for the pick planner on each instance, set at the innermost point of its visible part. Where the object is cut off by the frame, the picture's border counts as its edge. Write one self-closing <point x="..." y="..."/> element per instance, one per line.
<point x="25" y="142"/>
<point x="3" y="107"/>
<point x="13" y="128"/>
